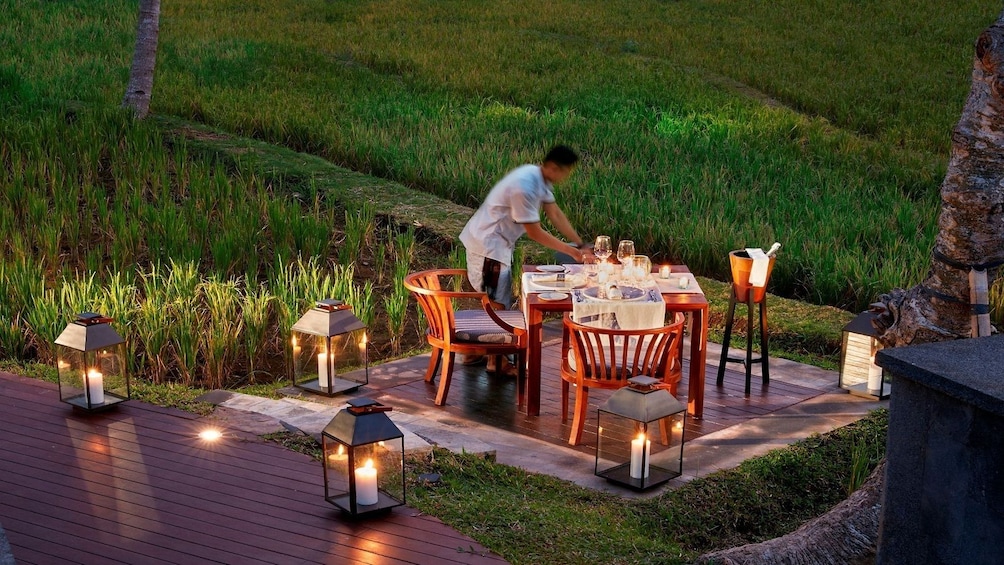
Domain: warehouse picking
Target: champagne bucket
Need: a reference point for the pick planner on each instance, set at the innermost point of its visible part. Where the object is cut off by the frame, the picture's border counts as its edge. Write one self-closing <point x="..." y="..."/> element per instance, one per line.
<point x="742" y="266"/>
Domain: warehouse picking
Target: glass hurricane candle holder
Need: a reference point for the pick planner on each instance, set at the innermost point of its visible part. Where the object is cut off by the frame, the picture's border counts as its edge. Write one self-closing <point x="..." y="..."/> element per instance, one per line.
<point x="91" y="365"/>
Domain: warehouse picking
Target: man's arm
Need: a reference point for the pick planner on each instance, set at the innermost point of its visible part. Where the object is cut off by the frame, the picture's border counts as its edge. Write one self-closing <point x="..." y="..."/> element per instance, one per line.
<point x="537" y="233"/>
<point x="561" y="223"/>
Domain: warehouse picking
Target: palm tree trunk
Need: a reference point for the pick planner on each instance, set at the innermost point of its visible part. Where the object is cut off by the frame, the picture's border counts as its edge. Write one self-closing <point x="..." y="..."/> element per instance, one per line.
<point x="144" y="58"/>
<point x="971" y="225"/>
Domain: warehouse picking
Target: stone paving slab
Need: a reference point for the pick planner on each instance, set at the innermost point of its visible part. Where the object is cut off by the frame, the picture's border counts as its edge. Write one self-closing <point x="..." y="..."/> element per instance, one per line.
<point x="426" y="425"/>
<point x="6" y="555"/>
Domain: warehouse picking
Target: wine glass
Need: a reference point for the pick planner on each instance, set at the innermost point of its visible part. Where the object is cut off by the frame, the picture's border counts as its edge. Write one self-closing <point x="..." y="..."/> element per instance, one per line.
<point x="625" y="251"/>
<point x="602" y="248"/>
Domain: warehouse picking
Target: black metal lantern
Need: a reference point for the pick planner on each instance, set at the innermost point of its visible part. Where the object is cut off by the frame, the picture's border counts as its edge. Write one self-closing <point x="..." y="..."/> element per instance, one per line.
<point x="363" y="459"/>
<point x="329" y="350"/>
<point x="90" y="361"/>
<point x="639" y="441"/>
<point x="859" y="375"/>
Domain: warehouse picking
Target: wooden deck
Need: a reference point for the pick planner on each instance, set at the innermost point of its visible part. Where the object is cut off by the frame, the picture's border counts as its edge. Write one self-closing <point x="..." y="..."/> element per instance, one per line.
<point x="489" y="399"/>
<point x="135" y="485"/>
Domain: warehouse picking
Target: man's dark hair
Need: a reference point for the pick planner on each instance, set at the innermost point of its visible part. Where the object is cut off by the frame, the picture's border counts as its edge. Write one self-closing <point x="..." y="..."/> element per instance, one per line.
<point x="562" y="155"/>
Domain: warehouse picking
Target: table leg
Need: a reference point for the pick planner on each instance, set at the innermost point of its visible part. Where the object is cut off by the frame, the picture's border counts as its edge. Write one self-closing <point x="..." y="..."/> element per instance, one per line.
<point x="535" y="337"/>
<point x="698" y="358"/>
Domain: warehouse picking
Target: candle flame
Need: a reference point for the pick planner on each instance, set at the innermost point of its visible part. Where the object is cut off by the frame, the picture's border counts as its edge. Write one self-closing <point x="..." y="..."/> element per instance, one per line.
<point x="369" y="464"/>
<point x="641" y="436"/>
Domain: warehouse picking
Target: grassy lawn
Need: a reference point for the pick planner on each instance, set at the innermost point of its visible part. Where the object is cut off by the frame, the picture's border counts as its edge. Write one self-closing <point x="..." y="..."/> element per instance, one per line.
<point x="530" y="518"/>
<point x="315" y="148"/>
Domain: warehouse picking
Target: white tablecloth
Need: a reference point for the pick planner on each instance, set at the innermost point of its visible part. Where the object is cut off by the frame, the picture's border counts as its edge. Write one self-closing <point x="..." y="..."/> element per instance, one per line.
<point x="645" y="313"/>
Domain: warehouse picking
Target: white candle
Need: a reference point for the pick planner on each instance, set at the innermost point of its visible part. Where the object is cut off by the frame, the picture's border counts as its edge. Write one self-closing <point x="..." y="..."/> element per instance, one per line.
<point x="640" y="449"/>
<point x="296" y="349"/>
<point x="874" y="377"/>
<point x="684" y="281"/>
<point x="366" y="484"/>
<point x="362" y="348"/>
<point x="664" y="272"/>
<point x="323" y="373"/>
<point x="95" y="387"/>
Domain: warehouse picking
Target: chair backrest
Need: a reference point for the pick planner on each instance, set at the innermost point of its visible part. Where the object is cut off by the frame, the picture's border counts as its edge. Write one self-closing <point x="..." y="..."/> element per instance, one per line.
<point x="436" y="303"/>
<point x="605" y="357"/>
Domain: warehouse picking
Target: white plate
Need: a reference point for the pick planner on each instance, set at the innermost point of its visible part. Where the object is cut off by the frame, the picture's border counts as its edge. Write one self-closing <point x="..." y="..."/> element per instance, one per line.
<point x="551" y="268"/>
<point x="627" y="293"/>
<point x="552" y="296"/>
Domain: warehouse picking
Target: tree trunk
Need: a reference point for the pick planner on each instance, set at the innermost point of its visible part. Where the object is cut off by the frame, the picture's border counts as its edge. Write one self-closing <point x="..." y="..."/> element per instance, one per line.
<point x="846" y="535"/>
<point x="971" y="225"/>
<point x="970" y="235"/>
<point x="144" y="58"/>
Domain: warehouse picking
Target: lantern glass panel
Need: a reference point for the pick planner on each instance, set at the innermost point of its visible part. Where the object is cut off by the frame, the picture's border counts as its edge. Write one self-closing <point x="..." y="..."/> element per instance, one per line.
<point x="639" y="454"/>
<point x="93" y="379"/>
<point x="859" y="374"/>
<point x="329" y="365"/>
<point x="374" y="472"/>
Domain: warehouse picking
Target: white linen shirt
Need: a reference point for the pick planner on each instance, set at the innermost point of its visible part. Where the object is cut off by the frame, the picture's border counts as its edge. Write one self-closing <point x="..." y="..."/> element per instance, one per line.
<point x="515" y="200"/>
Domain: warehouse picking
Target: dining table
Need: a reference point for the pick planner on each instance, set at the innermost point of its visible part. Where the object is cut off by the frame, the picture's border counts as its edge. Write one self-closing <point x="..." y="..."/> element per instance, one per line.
<point x="537" y="303"/>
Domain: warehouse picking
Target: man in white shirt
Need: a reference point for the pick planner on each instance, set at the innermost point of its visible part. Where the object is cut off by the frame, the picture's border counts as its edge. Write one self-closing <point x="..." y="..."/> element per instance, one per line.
<point x="511" y="209"/>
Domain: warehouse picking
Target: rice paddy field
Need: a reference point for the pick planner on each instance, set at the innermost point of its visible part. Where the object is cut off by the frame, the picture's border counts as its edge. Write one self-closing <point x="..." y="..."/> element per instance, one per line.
<point x="704" y="126"/>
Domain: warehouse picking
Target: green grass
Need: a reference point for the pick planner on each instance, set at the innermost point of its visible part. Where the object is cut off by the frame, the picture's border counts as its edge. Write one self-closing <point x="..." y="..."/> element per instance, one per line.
<point x="532" y="518"/>
<point x="704" y="127"/>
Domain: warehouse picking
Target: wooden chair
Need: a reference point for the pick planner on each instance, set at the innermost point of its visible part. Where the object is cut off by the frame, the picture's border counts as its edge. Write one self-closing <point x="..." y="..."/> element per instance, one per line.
<point x="488" y="330"/>
<point x="594" y="357"/>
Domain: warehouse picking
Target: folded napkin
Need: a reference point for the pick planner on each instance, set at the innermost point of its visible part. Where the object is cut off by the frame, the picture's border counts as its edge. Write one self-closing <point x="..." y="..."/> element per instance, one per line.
<point x="679" y="283"/>
<point x="758" y="274"/>
<point x="550" y="281"/>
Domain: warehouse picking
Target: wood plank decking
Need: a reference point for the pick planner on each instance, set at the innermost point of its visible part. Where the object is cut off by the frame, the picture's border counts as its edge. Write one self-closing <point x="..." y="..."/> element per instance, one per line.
<point x="489" y="399"/>
<point x="135" y="485"/>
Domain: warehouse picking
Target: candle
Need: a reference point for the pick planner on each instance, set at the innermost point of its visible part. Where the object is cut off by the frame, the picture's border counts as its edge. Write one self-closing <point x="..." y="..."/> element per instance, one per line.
<point x="602" y="276"/>
<point x="95" y="387"/>
<point x="296" y="348"/>
<point x="640" y="449"/>
<point x="664" y="272"/>
<point x="323" y="372"/>
<point x="366" y="484"/>
<point x="362" y="348"/>
<point x="684" y="281"/>
<point x="874" y="377"/>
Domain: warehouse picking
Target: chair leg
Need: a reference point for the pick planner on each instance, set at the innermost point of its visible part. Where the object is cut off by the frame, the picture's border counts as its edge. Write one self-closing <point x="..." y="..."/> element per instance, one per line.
<point x="579" y="419"/>
<point x="520" y="380"/>
<point x="434" y="360"/>
<point x="564" y="400"/>
<point x="664" y="432"/>
<point x="444" y="379"/>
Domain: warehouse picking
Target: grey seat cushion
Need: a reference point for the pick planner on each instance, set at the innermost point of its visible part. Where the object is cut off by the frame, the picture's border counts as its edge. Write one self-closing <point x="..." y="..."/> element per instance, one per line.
<point x="478" y="327"/>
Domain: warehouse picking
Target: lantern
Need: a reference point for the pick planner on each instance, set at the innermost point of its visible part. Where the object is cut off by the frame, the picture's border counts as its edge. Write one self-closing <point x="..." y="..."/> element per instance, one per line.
<point x="90" y="361"/>
<point x="859" y="374"/>
<point x="363" y="459"/>
<point x="639" y="441"/>
<point x="329" y="350"/>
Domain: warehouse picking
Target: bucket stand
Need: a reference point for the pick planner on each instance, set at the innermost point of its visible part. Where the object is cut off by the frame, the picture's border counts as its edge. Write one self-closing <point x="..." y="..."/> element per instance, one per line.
<point x="743" y="292"/>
